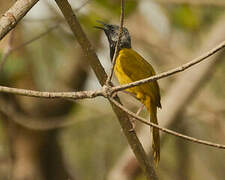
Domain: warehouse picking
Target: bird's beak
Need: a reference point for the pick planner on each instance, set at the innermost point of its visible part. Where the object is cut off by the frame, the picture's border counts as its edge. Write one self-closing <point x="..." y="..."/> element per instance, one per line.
<point x="103" y="27"/>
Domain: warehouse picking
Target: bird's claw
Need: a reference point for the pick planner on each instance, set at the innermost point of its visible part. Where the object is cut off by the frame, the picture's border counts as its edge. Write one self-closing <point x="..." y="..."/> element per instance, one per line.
<point x="133" y="123"/>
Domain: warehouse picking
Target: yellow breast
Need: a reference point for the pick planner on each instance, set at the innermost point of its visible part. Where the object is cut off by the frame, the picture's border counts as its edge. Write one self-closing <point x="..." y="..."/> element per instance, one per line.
<point x="121" y="75"/>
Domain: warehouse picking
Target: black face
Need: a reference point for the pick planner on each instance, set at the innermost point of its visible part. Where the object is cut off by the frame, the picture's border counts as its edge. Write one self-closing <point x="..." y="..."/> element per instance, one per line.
<point x="112" y="33"/>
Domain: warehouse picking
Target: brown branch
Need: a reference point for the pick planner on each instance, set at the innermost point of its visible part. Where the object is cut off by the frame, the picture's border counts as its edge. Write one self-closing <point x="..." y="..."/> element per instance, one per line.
<point x="9" y="20"/>
<point x="92" y="94"/>
<point x="124" y="120"/>
<point x="110" y="90"/>
<point x="107" y="92"/>
<point x="108" y="81"/>
<point x="168" y="131"/>
<point x="82" y="39"/>
<point x="101" y="75"/>
<point x="52" y="95"/>
<point x="173" y="71"/>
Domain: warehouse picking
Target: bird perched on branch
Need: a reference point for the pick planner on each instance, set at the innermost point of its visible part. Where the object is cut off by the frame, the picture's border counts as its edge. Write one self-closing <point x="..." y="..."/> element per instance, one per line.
<point x="131" y="67"/>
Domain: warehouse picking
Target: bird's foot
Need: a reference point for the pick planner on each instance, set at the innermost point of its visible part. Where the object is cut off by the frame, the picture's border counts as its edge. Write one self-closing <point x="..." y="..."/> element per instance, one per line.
<point x="140" y="109"/>
<point x="114" y="95"/>
<point x="133" y="123"/>
<point x="133" y="120"/>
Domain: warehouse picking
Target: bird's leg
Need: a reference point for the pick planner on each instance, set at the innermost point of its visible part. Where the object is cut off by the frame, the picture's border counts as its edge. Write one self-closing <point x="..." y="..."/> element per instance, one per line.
<point x="133" y="120"/>
<point x="138" y="96"/>
<point x="140" y="109"/>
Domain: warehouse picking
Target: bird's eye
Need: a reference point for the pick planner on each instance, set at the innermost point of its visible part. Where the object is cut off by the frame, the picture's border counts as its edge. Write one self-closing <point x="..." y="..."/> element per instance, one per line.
<point x="111" y="30"/>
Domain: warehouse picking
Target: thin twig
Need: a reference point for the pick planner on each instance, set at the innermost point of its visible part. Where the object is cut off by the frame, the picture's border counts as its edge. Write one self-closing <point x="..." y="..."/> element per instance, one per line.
<point x="52" y="95"/>
<point x="168" y="131"/>
<point x="173" y="71"/>
<point x="182" y="92"/>
<point x="103" y="91"/>
<point x="108" y="81"/>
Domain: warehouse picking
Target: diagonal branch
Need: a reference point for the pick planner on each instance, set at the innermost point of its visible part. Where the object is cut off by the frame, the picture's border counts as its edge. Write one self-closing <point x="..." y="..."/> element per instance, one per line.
<point x="196" y="78"/>
<point x="10" y="19"/>
<point x="92" y="94"/>
<point x="117" y="44"/>
<point x="82" y="39"/>
<point x="168" y="131"/>
<point x="101" y="75"/>
<point x="173" y="71"/>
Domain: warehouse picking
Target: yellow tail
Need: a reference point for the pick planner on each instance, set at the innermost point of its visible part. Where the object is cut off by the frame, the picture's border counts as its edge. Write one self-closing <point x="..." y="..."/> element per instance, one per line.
<point x="152" y="108"/>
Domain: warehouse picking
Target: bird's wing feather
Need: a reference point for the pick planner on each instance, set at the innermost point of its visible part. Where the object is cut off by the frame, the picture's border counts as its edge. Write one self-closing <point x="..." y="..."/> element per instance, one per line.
<point x="137" y="68"/>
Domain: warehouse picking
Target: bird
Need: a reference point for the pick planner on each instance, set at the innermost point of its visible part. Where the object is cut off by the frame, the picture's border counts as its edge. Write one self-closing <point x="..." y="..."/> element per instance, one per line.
<point x="130" y="67"/>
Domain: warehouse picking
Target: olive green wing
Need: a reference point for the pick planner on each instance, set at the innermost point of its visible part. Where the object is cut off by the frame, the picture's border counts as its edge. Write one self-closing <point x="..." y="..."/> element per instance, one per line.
<point x="137" y="68"/>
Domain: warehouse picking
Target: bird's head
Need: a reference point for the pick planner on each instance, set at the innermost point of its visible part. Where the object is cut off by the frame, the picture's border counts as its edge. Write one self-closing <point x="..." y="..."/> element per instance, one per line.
<point x="112" y="33"/>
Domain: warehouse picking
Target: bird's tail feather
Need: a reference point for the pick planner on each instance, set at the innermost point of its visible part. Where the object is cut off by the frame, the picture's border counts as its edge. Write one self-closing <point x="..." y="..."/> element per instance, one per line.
<point x="152" y="108"/>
